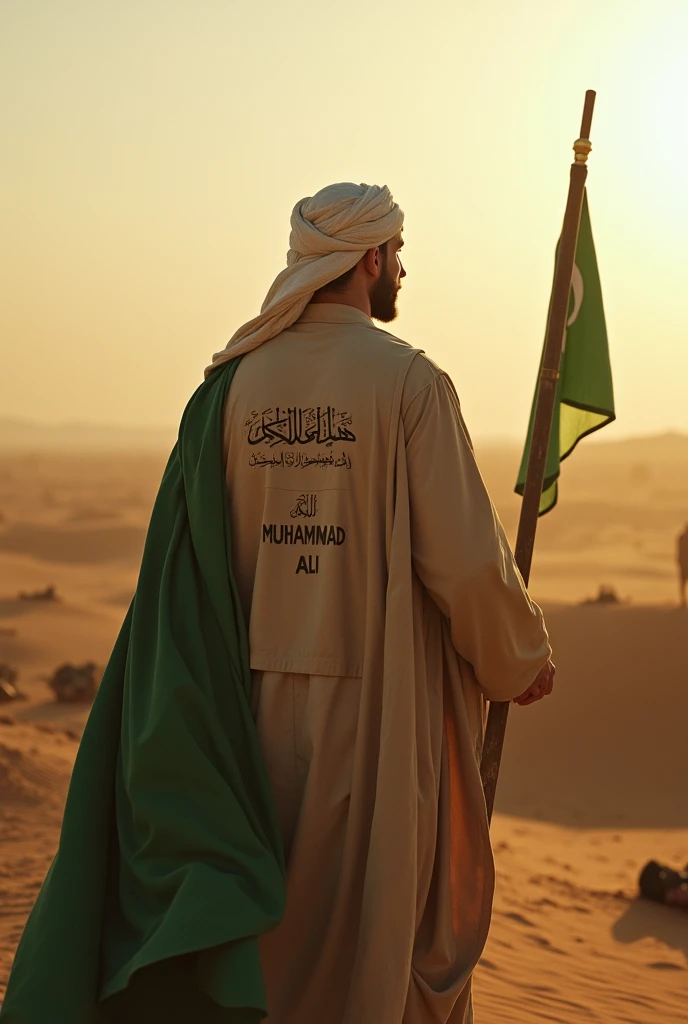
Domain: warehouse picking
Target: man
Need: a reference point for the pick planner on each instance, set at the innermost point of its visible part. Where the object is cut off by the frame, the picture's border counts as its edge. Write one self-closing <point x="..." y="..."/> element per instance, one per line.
<point x="378" y="626"/>
<point x="682" y="558"/>
<point x="323" y="490"/>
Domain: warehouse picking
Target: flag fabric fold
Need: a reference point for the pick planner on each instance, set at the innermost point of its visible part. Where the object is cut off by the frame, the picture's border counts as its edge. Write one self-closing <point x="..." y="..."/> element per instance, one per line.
<point x="585" y="396"/>
<point x="170" y="862"/>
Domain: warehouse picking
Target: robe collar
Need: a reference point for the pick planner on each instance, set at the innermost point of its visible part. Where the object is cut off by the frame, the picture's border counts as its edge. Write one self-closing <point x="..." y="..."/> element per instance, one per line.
<point x="333" y="313"/>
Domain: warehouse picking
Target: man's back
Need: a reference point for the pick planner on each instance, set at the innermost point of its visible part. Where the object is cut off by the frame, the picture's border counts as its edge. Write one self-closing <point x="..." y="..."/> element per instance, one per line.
<point x="308" y="426"/>
<point x="312" y="428"/>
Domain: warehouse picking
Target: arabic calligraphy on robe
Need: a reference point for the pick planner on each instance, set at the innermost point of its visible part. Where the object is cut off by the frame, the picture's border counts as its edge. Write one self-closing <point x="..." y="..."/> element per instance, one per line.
<point x="299" y="460"/>
<point x="322" y="425"/>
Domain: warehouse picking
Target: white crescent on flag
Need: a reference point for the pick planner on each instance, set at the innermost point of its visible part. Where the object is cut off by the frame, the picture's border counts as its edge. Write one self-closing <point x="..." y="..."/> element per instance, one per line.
<point x="578" y="292"/>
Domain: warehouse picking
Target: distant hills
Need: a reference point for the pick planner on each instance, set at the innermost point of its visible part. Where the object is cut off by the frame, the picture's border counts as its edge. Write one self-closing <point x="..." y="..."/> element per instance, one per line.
<point x="665" y="446"/>
<point x="23" y="435"/>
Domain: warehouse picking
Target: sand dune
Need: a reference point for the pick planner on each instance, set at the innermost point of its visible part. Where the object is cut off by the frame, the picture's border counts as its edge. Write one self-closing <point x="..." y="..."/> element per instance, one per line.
<point x="593" y="780"/>
<point x="621" y="506"/>
<point x="48" y="634"/>
<point x="35" y="764"/>
<point x="75" y="543"/>
<point x="31" y="771"/>
<point x="612" y="738"/>
<point x="569" y="943"/>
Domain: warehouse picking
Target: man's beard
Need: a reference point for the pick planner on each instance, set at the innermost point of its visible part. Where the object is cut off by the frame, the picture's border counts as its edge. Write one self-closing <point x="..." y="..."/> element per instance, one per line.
<point x="383" y="299"/>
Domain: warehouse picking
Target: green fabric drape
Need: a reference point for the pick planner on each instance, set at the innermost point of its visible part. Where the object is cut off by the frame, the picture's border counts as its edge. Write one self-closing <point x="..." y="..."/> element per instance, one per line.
<point x="170" y="862"/>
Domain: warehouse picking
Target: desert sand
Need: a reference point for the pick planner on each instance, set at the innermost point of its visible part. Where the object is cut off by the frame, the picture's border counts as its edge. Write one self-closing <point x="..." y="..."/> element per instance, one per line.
<point x="593" y="781"/>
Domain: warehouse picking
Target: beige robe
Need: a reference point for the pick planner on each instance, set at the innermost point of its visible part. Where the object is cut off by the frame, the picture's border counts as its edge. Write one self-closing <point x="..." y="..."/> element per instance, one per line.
<point x="384" y="606"/>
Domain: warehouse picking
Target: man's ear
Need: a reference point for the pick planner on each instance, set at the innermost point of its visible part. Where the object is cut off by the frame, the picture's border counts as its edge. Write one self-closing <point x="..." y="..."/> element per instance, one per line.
<point x="372" y="262"/>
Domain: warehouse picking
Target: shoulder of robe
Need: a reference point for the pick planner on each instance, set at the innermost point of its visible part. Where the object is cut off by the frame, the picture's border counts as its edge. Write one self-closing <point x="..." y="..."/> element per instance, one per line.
<point x="423" y="370"/>
<point x="423" y="374"/>
<point x="392" y="339"/>
<point x="390" y="353"/>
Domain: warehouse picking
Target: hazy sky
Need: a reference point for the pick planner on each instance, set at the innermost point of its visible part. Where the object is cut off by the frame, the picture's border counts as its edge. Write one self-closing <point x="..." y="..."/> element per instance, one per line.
<point x="153" y="150"/>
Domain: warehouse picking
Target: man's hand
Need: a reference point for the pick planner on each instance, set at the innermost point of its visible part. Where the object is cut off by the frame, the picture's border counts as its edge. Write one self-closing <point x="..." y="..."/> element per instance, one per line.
<point x="541" y="687"/>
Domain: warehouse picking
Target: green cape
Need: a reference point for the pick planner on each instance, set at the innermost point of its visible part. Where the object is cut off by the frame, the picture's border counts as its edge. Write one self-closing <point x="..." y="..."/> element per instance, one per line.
<point x="170" y="862"/>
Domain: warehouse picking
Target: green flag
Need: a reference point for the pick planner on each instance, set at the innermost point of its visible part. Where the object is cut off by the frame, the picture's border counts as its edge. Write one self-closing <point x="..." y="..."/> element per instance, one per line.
<point x="585" y="396"/>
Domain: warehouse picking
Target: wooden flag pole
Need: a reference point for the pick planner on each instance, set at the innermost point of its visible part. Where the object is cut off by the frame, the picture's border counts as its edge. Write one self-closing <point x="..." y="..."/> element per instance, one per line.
<point x="542" y="427"/>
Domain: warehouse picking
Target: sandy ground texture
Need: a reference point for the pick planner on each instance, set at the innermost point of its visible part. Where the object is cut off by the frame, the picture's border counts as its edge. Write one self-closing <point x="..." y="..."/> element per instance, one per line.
<point x="593" y="780"/>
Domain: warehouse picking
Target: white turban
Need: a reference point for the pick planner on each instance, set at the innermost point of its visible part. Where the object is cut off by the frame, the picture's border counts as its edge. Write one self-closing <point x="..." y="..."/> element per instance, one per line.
<point x="330" y="232"/>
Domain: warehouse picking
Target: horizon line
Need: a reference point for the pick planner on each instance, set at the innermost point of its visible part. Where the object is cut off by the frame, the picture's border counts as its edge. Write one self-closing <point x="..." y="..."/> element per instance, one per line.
<point x="500" y="439"/>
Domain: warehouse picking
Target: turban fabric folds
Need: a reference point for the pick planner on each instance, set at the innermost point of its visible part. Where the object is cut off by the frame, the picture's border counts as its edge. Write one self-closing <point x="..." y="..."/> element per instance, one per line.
<point x="330" y="232"/>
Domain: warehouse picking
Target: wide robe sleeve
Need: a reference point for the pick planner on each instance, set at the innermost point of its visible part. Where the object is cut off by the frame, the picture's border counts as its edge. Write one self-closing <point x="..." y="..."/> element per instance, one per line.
<point x="460" y="551"/>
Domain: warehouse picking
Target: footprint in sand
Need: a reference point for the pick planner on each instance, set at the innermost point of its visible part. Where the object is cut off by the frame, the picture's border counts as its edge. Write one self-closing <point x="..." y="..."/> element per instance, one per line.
<point x="560" y="864"/>
<point x="540" y="940"/>
<point x="488" y="964"/>
<point x="518" y="918"/>
<point x="661" y="965"/>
